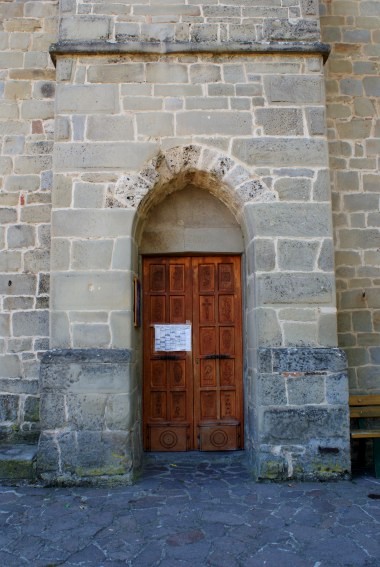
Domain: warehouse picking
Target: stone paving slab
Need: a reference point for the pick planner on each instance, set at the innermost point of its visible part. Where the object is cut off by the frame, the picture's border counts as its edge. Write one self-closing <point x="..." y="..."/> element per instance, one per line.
<point x="193" y="511"/>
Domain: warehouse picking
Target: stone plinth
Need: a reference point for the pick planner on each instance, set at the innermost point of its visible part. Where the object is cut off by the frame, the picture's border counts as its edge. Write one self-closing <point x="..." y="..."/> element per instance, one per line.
<point x="89" y="417"/>
<point x="300" y="412"/>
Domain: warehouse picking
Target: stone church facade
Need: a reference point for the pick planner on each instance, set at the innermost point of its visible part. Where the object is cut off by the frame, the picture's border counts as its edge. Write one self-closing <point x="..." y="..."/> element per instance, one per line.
<point x="202" y="134"/>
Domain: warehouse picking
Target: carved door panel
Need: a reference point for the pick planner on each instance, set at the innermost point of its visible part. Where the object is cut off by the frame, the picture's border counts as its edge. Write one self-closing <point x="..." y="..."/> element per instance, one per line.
<point x="217" y="346"/>
<point x="193" y="400"/>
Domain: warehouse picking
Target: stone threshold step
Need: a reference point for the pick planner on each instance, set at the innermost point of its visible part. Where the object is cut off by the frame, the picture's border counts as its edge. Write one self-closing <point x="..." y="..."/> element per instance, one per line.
<point x="17" y="462"/>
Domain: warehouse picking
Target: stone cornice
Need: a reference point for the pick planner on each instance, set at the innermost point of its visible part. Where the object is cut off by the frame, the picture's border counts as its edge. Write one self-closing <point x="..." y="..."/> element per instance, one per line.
<point x="64" y="48"/>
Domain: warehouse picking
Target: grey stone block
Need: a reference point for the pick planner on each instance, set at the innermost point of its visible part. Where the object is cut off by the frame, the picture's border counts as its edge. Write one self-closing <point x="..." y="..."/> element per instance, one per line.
<point x="304" y="424"/>
<point x="91" y="290"/>
<point x="270" y="333"/>
<point x="86" y="411"/>
<point x="84" y="27"/>
<point x="87" y="99"/>
<point x="304" y="390"/>
<point x="32" y="409"/>
<point x="103" y="156"/>
<point x="90" y="370"/>
<point x="91" y="336"/>
<point x="271" y="390"/>
<point x="283" y="29"/>
<point x="52" y="411"/>
<point x="261" y="255"/>
<point x="30" y="323"/>
<point x="91" y="254"/>
<point x="9" y="407"/>
<point x="93" y="223"/>
<point x="110" y="127"/>
<point x="116" y="73"/>
<point x="294" y="88"/>
<point x="278" y="219"/>
<point x="281" y="151"/>
<point x="295" y="288"/>
<point x="48" y="453"/>
<point x="297" y="255"/>
<point x="10" y="366"/>
<point x="224" y="123"/>
<point x="280" y="121"/>
<point x="337" y="389"/>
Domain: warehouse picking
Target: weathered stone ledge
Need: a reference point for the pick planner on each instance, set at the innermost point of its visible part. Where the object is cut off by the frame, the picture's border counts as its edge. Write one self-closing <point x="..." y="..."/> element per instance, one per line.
<point x="104" y="356"/>
<point x="162" y="48"/>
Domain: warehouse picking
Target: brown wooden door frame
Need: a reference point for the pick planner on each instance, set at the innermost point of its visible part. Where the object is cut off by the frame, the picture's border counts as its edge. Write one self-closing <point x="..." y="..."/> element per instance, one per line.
<point x="180" y="400"/>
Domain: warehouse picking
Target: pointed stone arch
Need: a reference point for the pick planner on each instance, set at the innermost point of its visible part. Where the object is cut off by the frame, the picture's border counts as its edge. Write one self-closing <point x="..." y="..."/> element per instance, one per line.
<point x="208" y="168"/>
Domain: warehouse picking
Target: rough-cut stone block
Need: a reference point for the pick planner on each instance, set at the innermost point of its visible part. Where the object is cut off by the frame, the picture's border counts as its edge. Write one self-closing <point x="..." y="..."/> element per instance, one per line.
<point x="304" y="424"/>
<point x="84" y="27"/>
<point x="270" y="333"/>
<point x="291" y="220"/>
<point x="261" y="255"/>
<point x="166" y="73"/>
<point x="283" y="29"/>
<point x="291" y="189"/>
<point x="30" y="323"/>
<point x="121" y="329"/>
<point x="91" y="336"/>
<point x="281" y="151"/>
<point x="271" y="390"/>
<point x="120" y="73"/>
<point x="224" y="123"/>
<point x="304" y="390"/>
<point x="17" y="284"/>
<point x="297" y="255"/>
<point x="86" y="411"/>
<point x="155" y="124"/>
<point x="32" y="408"/>
<point x="337" y="389"/>
<point x="93" y="290"/>
<point x="299" y="89"/>
<point x="119" y="412"/>
<point x="280" y="121"/>
<point x="92" y="223"/>
<point x="89" y="370"/>
<point x="8" y="407"/>
<point x="21" y="236"/>
<point x="52" y="411"/>
<point x="87" y="99"/>
<point x="110" y="128"/>
<point x="91" y="254"/>
<point x="103" y="156"/>
<point x="303" y="360"/>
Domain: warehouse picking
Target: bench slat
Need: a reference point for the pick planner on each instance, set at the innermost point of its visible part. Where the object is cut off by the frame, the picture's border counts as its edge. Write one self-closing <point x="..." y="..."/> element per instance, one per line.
<point x="368" y="411"/>
<point x="365" y="433"/>
<point x="364" y="400"/>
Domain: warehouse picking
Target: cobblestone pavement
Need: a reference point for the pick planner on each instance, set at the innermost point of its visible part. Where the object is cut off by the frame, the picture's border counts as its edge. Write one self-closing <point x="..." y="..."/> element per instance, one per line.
<point x="192" y="513"/>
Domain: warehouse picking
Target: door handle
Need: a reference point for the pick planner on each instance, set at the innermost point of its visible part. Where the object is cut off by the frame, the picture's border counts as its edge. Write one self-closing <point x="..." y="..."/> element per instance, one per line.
<point x="216" y="357"/>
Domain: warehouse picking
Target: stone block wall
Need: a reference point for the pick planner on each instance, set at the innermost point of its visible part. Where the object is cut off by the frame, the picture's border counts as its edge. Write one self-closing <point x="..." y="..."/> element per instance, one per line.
<point x="27" y="87"/>
<point x="197" y="21"/>
<point x="116" y="115"/>
<point x="353" y="91"/>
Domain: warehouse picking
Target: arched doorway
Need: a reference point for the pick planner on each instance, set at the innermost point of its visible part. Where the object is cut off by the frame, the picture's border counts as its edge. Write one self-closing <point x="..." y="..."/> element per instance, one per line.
<point x="193" y="393"/>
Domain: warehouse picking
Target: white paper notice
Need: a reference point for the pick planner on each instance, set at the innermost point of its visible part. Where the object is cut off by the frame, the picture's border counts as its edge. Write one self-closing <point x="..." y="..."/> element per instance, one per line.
<point x="171" y="338"/>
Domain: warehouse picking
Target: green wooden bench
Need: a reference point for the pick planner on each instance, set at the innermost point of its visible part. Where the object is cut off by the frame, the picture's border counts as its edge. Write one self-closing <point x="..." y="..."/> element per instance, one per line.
<point x="362" y="408"/>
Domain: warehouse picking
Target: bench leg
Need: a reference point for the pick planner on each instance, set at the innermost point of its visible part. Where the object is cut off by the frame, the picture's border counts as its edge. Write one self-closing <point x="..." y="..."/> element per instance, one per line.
<point x="376" y="457"/>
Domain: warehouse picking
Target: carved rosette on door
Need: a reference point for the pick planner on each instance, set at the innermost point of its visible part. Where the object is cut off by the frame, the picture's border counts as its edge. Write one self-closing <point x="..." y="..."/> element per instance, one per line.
<point x="193" y="400"/>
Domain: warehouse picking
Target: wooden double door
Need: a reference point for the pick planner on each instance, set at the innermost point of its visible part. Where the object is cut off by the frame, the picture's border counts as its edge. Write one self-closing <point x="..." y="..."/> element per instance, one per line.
<point x="193" y="398"/>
